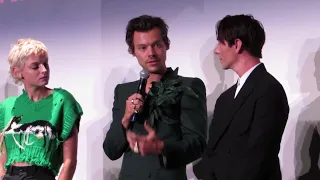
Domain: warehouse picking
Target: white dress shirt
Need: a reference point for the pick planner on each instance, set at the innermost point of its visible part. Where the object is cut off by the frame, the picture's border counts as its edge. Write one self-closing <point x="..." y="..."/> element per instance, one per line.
<point x="243" y="79"/>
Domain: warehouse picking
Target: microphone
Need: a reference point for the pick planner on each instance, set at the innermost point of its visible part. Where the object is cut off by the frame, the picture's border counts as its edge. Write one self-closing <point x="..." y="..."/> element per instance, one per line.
<point x="144" y="74"/>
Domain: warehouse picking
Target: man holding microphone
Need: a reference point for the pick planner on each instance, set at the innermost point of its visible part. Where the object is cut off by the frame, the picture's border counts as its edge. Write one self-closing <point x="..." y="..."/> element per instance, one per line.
<point x="170" y="114"/>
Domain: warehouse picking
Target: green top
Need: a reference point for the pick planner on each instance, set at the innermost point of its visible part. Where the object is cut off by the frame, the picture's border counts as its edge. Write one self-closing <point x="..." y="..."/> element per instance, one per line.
<point x="34" y="131"/>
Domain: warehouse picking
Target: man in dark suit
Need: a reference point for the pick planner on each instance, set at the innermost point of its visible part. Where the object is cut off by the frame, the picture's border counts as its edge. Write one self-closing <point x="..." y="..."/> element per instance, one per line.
<point x="170" y="130"/>
<point x="249" y="118"/>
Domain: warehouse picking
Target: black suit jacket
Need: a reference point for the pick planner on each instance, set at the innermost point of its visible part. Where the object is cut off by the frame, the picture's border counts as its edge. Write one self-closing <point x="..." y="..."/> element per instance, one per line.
<point x="246" y="131"/>
<point x="183" y="142"/>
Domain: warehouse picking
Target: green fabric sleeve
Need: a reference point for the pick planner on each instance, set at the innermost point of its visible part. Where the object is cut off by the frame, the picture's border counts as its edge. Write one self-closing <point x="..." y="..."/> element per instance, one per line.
<point x="71" y="116"/>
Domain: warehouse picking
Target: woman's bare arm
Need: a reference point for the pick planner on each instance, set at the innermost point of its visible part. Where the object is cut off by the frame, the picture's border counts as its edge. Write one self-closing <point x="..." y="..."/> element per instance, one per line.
<point x="70" y="149"/>
<point x="3" y="159"/>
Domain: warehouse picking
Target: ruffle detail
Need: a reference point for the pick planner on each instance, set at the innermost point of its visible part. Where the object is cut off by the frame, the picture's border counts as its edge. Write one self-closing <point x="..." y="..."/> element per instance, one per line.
<point x="34" y="155"/>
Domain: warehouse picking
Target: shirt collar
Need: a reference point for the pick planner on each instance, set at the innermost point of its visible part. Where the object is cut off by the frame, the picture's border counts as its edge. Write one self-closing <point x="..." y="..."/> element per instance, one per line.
<point x="245" y="76"/>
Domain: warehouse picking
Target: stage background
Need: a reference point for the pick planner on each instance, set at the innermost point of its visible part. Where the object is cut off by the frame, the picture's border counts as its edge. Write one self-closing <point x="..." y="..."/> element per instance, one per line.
<point x="88" y="57"/>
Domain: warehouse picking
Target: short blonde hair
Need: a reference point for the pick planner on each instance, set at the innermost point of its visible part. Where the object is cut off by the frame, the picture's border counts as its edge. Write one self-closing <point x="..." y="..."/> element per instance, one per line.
<point x="21" y="51"/>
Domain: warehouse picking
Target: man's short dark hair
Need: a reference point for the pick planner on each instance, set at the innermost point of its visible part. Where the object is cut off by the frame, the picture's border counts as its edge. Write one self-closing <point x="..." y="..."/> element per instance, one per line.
<point x="244" y="27"/>
<point x="146" y="23"/>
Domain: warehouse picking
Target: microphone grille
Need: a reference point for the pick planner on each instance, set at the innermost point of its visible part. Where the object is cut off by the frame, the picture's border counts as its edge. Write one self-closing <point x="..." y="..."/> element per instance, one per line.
<point x="144" y="74"/>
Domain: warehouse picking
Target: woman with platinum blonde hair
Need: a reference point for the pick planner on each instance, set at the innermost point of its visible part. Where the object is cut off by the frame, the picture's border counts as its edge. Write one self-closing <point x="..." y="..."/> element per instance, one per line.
<point x="39" y="128"/>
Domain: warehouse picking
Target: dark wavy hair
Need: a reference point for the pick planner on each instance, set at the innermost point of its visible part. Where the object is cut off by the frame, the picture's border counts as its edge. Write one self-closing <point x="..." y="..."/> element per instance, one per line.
<point x="244" y="27"/>
<point x="146" y="23"/>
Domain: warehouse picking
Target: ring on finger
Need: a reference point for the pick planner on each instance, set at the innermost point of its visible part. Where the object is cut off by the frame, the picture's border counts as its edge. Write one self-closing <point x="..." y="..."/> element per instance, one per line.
<point x="132" y="101"/>
<point x="135" y="110"/>
<point x="136" y="148"/>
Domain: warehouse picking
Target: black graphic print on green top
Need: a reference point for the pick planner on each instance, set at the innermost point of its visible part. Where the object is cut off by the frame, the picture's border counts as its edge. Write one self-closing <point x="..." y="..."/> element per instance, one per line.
<point x="34" y="132"/>
<point x="42" y="129"/>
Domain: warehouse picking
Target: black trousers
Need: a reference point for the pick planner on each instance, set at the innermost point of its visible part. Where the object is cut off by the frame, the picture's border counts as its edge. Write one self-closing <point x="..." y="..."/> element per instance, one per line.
<point x="28" y="173"/>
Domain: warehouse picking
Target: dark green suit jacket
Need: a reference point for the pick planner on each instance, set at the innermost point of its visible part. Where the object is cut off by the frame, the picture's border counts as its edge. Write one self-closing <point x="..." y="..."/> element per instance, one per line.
<point x="183" y="142"/>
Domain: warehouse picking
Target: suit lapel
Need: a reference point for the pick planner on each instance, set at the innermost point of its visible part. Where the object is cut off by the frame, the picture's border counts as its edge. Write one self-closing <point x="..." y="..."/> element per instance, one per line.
<point x="236" y="103"/>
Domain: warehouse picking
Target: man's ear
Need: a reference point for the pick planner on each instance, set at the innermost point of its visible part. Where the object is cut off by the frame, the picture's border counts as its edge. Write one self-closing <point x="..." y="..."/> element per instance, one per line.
<point x="238" y="45"/>
<point x="168" y="45"/>
<point x="132" y="52"/>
